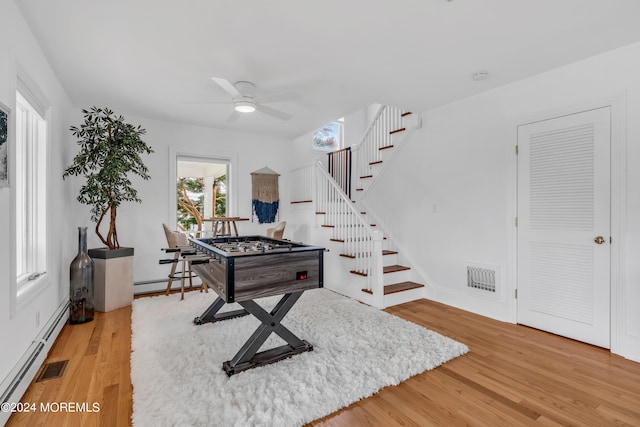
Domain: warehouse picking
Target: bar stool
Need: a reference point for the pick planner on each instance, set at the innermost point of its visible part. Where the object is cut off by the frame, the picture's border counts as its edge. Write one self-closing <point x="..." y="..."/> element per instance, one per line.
<point x="178" y="243"/>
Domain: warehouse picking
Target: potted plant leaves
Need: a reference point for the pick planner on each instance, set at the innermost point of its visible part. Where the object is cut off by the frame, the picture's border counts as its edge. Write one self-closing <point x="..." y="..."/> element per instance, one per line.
<point x="110" y="152"/>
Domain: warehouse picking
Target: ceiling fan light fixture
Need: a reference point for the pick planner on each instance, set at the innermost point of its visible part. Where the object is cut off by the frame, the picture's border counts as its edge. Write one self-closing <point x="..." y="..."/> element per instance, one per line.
<point x="244" y="106"/>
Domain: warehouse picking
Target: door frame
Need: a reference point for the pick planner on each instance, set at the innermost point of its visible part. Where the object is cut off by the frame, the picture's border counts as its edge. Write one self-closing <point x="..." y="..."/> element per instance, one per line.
<point x="617" y="104"/>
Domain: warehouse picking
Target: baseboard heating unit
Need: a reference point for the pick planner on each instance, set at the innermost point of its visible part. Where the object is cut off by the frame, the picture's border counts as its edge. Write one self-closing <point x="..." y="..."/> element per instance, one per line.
<point x="16" y="383"/>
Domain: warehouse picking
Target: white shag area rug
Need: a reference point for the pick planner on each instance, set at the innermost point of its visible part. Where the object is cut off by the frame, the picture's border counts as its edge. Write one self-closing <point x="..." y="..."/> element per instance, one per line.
<point x="176" y="366"/>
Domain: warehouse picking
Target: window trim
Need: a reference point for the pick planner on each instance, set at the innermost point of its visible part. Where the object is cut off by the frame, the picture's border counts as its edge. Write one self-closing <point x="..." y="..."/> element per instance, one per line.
<point x="23" y="293"/>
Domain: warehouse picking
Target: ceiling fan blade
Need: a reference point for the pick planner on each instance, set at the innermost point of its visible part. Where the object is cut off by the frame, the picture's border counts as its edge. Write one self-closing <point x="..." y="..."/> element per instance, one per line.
<point x="227" y="86"/>
<point x="233" y="116"/>
<point x="278" y="97"/>
<point x="273" y="112"/>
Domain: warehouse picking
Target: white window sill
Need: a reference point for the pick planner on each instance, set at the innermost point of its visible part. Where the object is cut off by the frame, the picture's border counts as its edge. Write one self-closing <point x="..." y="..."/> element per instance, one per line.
<point x="30" y="290"/>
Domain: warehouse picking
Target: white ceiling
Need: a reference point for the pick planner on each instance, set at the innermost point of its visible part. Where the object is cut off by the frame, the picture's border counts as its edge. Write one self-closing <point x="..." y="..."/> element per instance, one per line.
<point x="152" y="58"/>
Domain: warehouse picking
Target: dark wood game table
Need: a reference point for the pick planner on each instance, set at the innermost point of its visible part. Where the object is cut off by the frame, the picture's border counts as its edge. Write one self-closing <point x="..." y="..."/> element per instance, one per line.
<point x="243" y="269"/>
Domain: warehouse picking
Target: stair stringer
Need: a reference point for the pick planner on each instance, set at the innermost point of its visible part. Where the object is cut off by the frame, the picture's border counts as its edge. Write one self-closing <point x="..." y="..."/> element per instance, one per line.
<point x="347" y="285"/>
<point x="338" y="274"/>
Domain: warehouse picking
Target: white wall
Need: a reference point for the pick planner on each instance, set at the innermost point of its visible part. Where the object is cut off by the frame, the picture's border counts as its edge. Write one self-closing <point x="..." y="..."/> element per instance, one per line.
<point x="456" y="171"/>
<point x="19" y="50"/>
<point x="457" y="181"/>
<point x="140" y="224"/>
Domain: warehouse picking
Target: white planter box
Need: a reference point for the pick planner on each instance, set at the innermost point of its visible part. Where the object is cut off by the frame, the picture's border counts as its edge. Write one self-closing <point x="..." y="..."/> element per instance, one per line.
<point x="112" y="278"/>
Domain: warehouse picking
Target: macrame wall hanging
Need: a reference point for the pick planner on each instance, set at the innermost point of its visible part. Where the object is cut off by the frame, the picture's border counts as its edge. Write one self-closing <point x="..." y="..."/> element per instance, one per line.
<point x="264" y="195"/>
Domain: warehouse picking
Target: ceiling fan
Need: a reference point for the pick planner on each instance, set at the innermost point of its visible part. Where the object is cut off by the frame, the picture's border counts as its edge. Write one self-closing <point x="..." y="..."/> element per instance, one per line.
<point x="245" y="101"/>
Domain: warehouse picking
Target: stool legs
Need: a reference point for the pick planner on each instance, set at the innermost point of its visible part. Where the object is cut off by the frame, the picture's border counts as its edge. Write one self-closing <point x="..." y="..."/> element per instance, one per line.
<point x="182" y="278"/>
<point x="181" y="256"/>
<point x="173" y="272"/>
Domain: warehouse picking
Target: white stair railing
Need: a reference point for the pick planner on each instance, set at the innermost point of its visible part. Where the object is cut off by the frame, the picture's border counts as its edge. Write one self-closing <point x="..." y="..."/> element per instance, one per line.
<point x="302" y="184"/>
<point x="376" y="137"/>
<point x="360" y="241"/>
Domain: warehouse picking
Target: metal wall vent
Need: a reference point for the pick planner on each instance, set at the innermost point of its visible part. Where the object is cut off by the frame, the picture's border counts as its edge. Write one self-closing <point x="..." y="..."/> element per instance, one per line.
<point x="481" y="278"/>
<point x="52" y="370"/>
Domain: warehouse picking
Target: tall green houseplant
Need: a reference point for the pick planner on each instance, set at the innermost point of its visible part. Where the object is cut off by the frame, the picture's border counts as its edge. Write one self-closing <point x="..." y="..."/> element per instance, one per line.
<point x="110" y="150"/>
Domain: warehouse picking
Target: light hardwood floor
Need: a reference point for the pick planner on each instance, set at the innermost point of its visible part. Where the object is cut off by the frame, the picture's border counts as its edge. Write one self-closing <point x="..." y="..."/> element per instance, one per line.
<point x="512" y="376"/>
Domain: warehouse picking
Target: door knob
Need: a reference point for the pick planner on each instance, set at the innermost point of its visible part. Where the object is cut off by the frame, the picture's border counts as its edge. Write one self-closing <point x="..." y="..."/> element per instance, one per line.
<point x="599" y="240"/>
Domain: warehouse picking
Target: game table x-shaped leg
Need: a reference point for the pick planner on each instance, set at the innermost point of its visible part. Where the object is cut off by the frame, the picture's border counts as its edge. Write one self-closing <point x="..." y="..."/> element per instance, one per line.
<point x="248" y="356"/>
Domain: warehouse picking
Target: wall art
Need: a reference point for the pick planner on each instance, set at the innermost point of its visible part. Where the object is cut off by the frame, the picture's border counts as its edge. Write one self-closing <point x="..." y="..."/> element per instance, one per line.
<point x="4" y="145"/>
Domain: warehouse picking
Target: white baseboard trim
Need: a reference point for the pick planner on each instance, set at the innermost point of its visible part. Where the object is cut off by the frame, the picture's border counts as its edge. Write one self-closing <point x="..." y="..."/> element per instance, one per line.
<point x="469" y="300"/>
<point x="18" y="380"/>
<point x="630" y="348"/>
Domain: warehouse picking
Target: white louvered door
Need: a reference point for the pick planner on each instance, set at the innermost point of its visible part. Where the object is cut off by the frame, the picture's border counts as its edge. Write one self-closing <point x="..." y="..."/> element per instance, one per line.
<point x="563" y="207"/>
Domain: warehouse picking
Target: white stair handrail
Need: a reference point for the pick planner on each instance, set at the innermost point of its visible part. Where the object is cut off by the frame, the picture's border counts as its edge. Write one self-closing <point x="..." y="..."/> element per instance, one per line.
<point x="361" y="241"/>
<point x="320" y="168"/>
<point x="376" y="137"/>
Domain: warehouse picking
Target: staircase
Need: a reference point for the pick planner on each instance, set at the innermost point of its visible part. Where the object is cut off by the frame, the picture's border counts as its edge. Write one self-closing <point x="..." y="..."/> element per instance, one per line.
<point x="371" y="268"/>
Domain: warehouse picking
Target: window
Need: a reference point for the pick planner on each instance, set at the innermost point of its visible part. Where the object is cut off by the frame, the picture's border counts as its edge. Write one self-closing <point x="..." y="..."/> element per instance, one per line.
<point x="201" y="192"/>
<point x="30" y="196"/>
<point x="215" y="196"/>
<point x="329" y="137"/>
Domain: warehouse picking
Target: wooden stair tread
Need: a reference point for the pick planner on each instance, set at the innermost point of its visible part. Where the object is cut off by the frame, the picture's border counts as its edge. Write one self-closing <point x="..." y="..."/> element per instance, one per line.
<point x="401" y="286"/>
<point x="386" y="147"/>
<point x="302" y="201"/>
<point x="397" y="130"/>
<point x="385" y="270"/>
<point x="398" y="287"/>
<point x="366" y="176"/>
<point x="384" y="252"/>
<point x="376" y="162"/>
<point x="405" y="114"/>
<point x="394" y="268"/>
